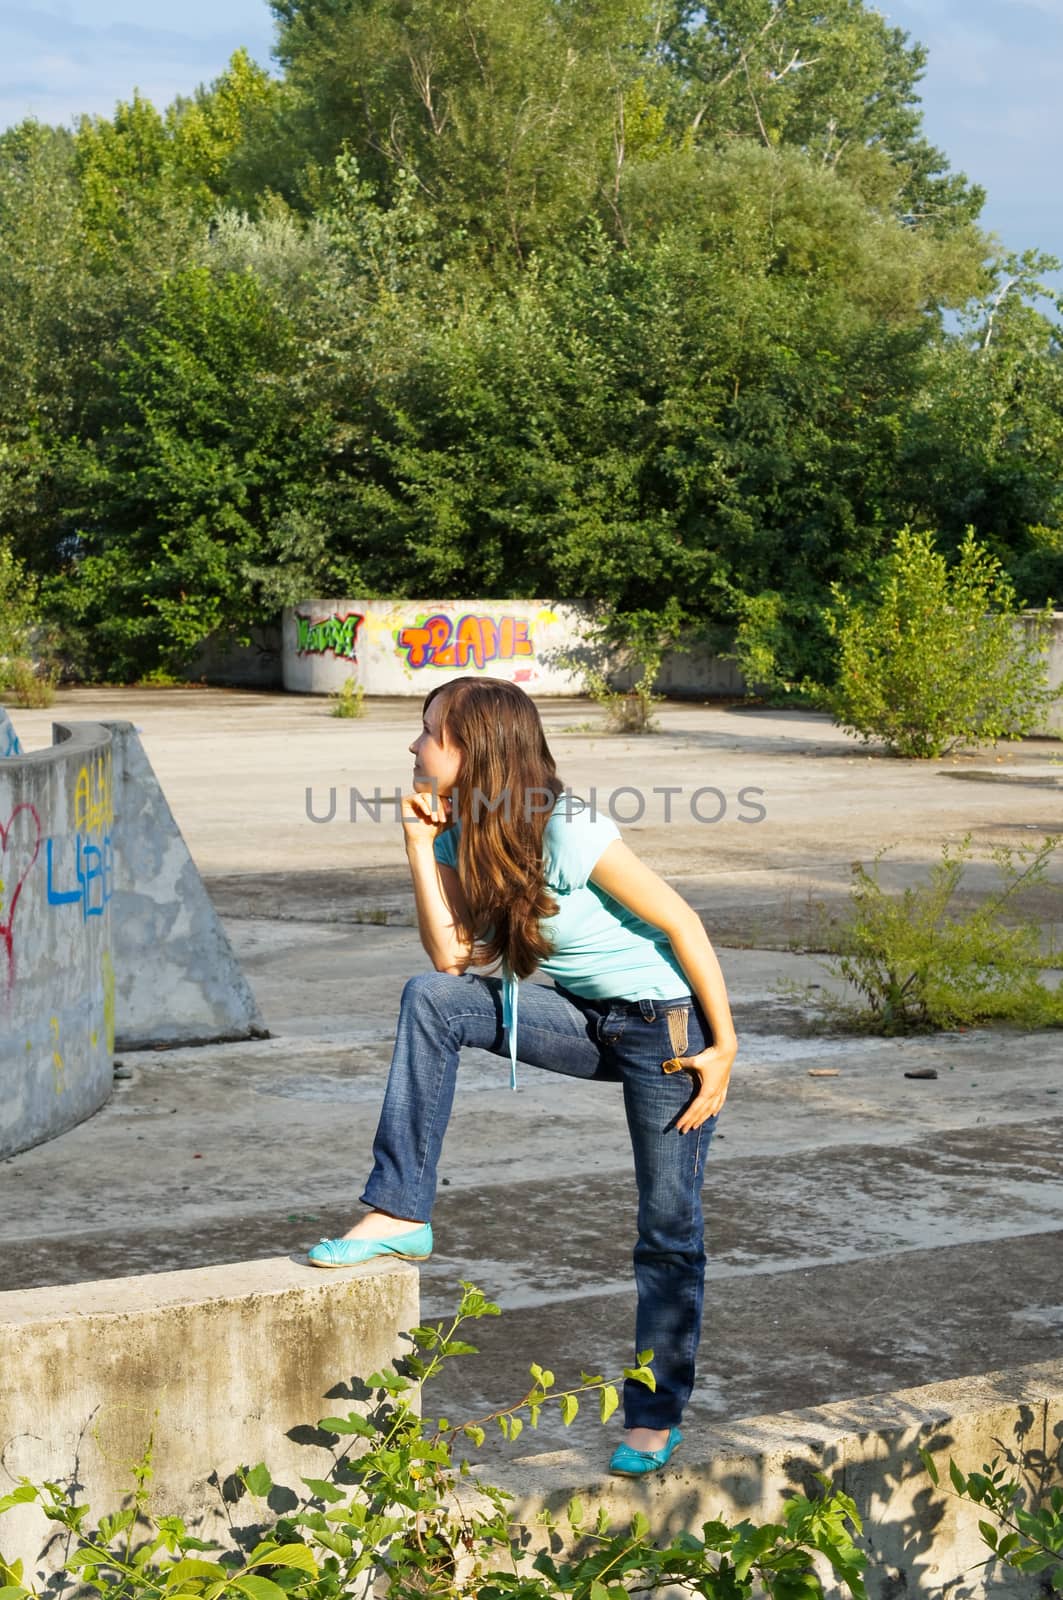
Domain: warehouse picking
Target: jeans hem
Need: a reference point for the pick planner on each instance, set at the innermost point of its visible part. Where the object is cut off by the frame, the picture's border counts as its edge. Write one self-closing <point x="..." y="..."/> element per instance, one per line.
<point x="395" y="1207"/>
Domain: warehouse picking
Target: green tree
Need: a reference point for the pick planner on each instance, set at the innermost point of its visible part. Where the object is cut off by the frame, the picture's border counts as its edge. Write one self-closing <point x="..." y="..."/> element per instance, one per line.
<point x="986" y="433"/>
<point x="200" y="455"/>
<point x="829" y="77"/>
<point x="510" y="117"/>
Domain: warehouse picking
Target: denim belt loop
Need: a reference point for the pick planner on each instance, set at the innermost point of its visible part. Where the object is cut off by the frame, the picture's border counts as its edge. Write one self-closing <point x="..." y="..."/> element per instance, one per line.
<point x="648" y="1013"/>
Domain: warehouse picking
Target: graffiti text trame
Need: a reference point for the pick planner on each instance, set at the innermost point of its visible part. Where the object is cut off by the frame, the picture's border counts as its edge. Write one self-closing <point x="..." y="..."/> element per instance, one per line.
<point x="476" y="641"/>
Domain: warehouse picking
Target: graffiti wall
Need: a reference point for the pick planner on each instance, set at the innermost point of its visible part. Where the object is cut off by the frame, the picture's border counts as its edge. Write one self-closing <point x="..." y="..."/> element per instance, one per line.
<point x="402" y="647"/>
<point x="56" y="970"/>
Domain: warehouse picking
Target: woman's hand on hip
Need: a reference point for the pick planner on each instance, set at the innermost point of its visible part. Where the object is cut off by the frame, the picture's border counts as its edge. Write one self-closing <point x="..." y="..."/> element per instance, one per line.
<point x="711" y="1070"/>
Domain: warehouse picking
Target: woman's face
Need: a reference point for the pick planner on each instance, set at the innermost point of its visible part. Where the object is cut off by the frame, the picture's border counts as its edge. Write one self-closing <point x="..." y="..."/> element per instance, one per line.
<point x="436" y="764"/>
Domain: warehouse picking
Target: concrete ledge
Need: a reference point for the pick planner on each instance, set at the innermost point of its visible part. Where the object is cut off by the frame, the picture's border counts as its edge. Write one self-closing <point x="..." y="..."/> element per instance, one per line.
<point x="224" y="1366"/>
<point x="919" y="1540"/>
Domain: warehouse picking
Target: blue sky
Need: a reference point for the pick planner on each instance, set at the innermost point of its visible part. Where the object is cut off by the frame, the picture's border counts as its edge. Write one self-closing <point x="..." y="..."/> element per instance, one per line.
<point x="991" y="97"/>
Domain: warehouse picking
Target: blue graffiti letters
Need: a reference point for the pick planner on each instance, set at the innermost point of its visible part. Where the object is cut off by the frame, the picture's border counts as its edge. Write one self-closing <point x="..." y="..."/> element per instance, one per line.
<point x="93" y="871"/>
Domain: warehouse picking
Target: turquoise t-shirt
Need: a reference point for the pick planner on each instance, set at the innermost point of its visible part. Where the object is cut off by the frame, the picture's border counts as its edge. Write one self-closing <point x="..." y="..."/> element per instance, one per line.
<point x="601" y="949"/>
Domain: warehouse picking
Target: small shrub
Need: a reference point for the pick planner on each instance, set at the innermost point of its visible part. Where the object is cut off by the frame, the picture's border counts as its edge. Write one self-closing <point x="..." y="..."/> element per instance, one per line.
<point x="920" y="969"/>
<point x="629" y="711"/>
<point x="349" y="701"/>
<point x="641" y="639"/>
<point x="161" y="678"/>
<point x="937" y="662"/>
<point x="30" y="686"/>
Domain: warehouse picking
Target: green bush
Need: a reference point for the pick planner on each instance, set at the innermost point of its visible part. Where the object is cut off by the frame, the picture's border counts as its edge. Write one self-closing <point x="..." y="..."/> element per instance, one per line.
<point x="389" y="1515"/>
<point x="919" y="968"/>
<point x="936" y="661"/>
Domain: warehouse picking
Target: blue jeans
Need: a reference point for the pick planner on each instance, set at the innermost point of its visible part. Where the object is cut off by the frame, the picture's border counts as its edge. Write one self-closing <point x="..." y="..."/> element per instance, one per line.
<point x="612" y="1041"/>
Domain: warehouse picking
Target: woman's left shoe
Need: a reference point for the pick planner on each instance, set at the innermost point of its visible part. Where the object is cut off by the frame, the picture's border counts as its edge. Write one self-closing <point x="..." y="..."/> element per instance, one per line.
<point x="416" y="1245"/>
<point x="629" y="1463"/>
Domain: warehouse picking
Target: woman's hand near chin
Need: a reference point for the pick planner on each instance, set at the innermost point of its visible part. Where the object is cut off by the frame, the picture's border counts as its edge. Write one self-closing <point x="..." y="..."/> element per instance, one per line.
<point x="424" y="816"/>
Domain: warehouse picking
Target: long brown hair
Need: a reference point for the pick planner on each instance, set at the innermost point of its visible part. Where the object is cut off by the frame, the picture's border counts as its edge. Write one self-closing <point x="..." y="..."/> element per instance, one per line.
<point x="506" y="788"/>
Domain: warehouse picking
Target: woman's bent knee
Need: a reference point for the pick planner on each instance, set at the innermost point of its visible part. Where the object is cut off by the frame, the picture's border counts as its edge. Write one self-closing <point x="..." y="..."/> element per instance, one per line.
<point x="430" y="987"/>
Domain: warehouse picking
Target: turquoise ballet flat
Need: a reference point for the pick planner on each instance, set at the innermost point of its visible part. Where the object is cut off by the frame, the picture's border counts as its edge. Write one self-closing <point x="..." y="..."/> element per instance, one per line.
<point x="414" y="1246"/>
<point x="629" y="1463"/>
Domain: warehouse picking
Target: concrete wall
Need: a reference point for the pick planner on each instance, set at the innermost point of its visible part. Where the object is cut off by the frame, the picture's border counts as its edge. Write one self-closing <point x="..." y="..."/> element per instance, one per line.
<point x="1051" y="720"/>
<point x="257" y="665"/>
<point x="56" y="968"/>
<point x="177" y="978"/>
<point x="405" y="647"/>
<point x="398" y="647"/>
<point x="220" y="1365"/>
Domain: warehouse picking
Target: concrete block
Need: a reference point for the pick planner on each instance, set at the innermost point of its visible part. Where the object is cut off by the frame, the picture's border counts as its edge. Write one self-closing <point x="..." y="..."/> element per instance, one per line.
<point x="177" y="980"/>
<point x="919" y="1540"/>
<point x="221" y="1367"/>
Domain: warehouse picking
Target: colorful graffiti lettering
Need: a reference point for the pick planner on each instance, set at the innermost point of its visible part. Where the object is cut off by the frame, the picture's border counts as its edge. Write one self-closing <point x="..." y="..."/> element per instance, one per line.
<point x="335" y="633"/>
<point x="28" y="845"/>
<point x="93" y="796"/>
<point x="93" y="872"/>
<point x="475" y="641"/>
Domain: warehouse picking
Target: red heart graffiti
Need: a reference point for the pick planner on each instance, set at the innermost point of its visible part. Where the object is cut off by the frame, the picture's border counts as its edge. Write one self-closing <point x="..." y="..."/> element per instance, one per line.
<point x="6" y="831"/>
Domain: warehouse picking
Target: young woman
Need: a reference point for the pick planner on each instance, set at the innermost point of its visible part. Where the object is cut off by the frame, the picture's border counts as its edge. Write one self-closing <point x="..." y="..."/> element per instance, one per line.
<point x="510" y="868"/>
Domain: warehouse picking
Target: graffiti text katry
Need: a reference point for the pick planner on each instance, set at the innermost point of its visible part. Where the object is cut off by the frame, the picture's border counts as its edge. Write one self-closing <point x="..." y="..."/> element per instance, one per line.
<point x="338" y="634"/>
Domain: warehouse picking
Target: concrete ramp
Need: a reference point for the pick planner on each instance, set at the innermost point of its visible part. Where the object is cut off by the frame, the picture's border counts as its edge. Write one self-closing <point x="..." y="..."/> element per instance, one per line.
<point x="176" y="976"/>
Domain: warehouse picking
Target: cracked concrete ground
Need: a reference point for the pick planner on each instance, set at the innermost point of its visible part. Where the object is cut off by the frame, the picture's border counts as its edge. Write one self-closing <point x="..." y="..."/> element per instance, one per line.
<point x="866" y="1231"/>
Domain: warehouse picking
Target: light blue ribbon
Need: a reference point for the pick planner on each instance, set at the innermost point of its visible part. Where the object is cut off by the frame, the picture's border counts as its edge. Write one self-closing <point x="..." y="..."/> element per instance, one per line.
<point x="510" y="996"/>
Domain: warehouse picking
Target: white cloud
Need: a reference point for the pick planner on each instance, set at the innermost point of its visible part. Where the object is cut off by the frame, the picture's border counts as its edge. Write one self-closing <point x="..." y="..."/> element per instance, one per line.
<point x="59" y="66"/>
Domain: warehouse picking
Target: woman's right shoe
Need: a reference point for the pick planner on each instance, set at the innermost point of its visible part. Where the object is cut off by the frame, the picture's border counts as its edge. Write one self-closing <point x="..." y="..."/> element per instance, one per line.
<point x="413" y="1246"/>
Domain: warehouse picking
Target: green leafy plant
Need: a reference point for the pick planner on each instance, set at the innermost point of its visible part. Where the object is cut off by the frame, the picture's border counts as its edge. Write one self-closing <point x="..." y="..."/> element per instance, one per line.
<point x="936" y="662"/>
<point x="348" y="701"/>
<point x="1026" y="1532"/>
<point x="918" y="967"/>
<point x="399" y="1514"/>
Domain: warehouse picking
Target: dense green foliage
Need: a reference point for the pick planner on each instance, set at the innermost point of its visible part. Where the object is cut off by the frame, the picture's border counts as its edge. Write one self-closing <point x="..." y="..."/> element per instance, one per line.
<point x="621" y="302"/>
